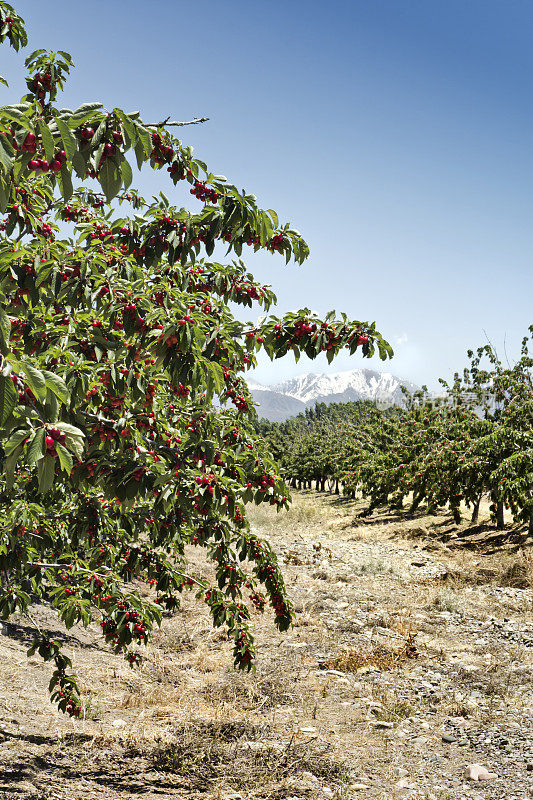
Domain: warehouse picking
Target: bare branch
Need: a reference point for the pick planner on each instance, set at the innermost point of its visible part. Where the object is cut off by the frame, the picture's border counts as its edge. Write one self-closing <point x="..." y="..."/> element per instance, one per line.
<point x="166" y="124"/>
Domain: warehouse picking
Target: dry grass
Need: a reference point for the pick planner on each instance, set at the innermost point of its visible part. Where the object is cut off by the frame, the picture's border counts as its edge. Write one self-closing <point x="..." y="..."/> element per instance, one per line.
<point x="238" y="756"/>
<point x="188" y="726"/>
<point x="378" y="656"/>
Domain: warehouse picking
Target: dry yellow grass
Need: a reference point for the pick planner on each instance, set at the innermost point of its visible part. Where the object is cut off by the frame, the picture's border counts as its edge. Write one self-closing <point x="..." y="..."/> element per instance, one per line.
<point x="191" y="727"/>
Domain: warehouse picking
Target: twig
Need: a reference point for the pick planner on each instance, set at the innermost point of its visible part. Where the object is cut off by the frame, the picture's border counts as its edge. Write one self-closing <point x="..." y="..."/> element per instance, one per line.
<point x="33" y="621"/>
<point x="167" y="124"/>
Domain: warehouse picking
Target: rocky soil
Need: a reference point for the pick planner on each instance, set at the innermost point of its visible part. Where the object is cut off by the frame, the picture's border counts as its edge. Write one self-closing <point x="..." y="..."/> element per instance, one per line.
<point x="411" y="660"/>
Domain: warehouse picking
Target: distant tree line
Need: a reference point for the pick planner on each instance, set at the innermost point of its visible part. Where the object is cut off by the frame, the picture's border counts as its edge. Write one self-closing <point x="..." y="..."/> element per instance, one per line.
<point x="474" y="441"/>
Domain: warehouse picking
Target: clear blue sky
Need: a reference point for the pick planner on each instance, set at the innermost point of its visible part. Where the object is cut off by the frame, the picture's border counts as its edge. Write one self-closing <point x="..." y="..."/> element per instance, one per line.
<point x="396" y="136"/>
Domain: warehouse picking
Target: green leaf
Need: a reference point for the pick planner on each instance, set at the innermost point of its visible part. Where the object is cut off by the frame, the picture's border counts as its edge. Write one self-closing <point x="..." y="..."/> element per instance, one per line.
<point x="129" y="126"/>
<point x="47" y="139"/>
<point x="35" y="380"/>
<point x="139" y="153"/>
<point x="70" y="430"/>
<point x="37" y="448"/>
<point x="65" y="182"/>
<point x="75" y="438"/>
<point x="126" y="172"/>
<point x="110" y="178"/>
<point x="5" y="331"/>
<point x="7" y="155"/>
<point x="5" y="192"/>
<point x="14" y="441"/>
<point x="64" y="457"/>
<point x="83" y="113"/>
<point x="8" y="398"/>
<point x="57" y="385"/>
<point x="146" y="139"/>
<point x="67" y="57"/>
<point x="70" y="143"/>
<point x="79" y="163"/>
<point x="274" y="217"/>
<point x="33" y="55"/>
<point x="218" y="377"/>
<point x="46" y="469"/>
<point x="14" y="114"/>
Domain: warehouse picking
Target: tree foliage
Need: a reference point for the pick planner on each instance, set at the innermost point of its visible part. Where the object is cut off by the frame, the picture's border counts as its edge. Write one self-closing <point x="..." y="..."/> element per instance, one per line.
<point x="475" y="440"/>
<point x="127" y="430"/>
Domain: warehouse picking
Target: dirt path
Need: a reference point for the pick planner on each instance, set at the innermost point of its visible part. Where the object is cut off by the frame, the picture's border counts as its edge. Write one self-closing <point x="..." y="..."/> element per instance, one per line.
<point x="411" y="658"/>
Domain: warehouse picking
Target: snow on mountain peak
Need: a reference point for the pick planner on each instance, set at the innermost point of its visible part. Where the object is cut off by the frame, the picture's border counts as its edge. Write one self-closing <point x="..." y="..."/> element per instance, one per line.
<point x="366" y="384"/>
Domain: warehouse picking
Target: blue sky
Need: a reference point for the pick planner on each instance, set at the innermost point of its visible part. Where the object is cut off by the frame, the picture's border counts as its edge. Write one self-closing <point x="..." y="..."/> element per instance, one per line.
<point x="396" y="136"/>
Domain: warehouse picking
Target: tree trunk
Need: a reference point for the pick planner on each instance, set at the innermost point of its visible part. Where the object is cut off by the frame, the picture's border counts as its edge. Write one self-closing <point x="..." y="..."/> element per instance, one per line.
<point x="475" y="512"/>
<point x="416" y="502"/>
<point x="323" y="485"/>
<point x="530" y="528"/>
<point x="499" y="516"/>
<point x="337" y="482"/>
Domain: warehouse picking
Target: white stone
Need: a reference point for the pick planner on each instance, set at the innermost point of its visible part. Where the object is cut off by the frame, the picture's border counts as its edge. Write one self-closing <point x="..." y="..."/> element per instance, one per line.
<point x="475" y="772"/>
<point x="401" y="772"/>
<point x="118" y="723"/>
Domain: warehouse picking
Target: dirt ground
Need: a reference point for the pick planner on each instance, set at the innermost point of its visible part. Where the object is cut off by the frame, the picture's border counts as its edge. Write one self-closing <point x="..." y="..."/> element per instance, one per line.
<point x="411" y="658"/>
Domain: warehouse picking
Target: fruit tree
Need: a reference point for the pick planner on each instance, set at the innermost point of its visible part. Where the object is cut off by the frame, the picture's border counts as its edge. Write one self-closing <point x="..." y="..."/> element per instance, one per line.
<point x="126" y="426"/>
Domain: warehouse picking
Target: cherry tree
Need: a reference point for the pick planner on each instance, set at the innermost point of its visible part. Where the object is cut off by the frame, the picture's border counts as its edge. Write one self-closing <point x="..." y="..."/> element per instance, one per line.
<point x="126" y="426"/>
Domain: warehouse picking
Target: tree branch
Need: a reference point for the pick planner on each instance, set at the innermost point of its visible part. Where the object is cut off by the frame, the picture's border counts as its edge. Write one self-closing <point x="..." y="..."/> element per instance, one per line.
<point x="166" y="124"/>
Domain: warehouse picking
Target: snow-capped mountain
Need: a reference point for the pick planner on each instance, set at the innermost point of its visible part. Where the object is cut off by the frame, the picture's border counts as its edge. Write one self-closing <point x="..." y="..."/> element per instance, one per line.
<point x="282" y="400"/>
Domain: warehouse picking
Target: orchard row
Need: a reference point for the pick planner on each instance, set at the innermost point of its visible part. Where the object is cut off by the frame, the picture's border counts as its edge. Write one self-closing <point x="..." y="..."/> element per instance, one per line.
<point x="475" y="441"/>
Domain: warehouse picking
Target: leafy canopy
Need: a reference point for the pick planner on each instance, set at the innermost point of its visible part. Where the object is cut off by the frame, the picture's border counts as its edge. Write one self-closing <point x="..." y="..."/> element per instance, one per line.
<point x="127" y="430"/>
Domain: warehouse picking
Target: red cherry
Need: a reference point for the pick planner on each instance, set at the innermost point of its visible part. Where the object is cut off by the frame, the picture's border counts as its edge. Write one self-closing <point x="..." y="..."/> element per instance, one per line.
<point x="55" y="165"/>
<point x="86" y="133"/>
<point x="44" y="165"/>
<point x="109" y="149"/>
<point x="33" y="164"/>
<point x="29" y="143"/>
<point x="61" y="156"/>
<point x="117" y="137"/>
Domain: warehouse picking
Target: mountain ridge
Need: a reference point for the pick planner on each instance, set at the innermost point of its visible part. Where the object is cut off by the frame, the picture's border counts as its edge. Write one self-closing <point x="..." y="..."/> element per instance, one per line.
<point x="288" y="398"/>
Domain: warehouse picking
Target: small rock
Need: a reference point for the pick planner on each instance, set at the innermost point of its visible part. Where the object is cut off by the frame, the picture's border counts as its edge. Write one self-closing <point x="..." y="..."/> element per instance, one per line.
<point x="382" y="724"/>
<point x="403" y="784"/>
<point x="401" y="772"/>
<point x="475" y="772"/>
<point x="448" y="738"/>
<point x="118" y="723"/>
<point x="529" y="766"/>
